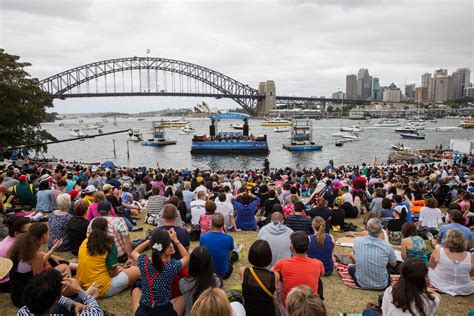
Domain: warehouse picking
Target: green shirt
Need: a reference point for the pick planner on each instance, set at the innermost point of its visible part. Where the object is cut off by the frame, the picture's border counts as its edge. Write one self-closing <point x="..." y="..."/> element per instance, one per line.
<point x="112" y="257"/>
<point x="26" y="193"/>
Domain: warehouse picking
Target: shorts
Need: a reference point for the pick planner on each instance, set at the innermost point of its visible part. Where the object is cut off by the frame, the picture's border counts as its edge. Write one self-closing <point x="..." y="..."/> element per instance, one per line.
<point x="119" y="283"/>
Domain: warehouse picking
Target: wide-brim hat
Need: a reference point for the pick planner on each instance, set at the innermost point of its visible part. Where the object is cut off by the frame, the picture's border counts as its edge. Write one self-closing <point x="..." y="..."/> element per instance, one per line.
<point x="5" y="266"/>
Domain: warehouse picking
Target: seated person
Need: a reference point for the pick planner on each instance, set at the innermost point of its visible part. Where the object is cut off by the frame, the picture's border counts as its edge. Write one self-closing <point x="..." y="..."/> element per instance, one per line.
<point x="299" y="221"/>
<point x="394" y="226"/>
<point x="302" y="301"/>
<point x="206" y="219"/>
<point x="77" y="226"/>
<point x="321" y="245"/>
<point x="386" y="210"/>
<point x="58" y="221"/>
<point x="455" y="220"/>
<point x="413" y="246"/>
<point x="169" y="216"/>
<point x="338" y="215"/>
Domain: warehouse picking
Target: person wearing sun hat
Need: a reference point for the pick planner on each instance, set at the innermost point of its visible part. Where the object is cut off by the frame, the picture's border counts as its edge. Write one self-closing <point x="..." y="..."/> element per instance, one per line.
<point x="5" y="266"/>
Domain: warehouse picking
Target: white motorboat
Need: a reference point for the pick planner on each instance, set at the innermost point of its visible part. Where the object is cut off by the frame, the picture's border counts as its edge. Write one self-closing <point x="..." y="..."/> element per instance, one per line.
<point x="76" y="132"/>
<point x="353" y="129"/>
<point x="406" y="129"/>
<point x="281" y="129"/>
<point x="239" y="126"/>
<point x="135" y="135"/>
<point x="92" y="126"/>
<point x="399" y="147"/>
<point x="187" y="130"/>
<point x="346" y="135"/>
<point x="387" y="123"/>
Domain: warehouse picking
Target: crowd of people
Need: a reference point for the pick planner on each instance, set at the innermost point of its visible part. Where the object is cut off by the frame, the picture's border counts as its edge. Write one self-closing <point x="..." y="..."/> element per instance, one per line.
<point x="52" y="208"/>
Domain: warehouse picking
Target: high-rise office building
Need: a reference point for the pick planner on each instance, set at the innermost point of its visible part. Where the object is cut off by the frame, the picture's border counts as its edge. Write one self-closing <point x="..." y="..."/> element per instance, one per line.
<point x="443" y="88"/>
<point x="421" y="94"/>
<point x="461" y="80"/>
<point x="392" y="94"/>
<point x="410" y="91"/>
<point x="376" y="89"/>
<point x="425" y="80"/>
<point x="364" y="84"/>
<point x="351" y="87"/>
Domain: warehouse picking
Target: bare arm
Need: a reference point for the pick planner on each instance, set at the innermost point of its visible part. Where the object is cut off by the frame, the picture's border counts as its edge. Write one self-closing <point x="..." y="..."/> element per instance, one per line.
<point x="404" y="249"/>
<point x="434" y="259"/>
<point x="141" y="248"/>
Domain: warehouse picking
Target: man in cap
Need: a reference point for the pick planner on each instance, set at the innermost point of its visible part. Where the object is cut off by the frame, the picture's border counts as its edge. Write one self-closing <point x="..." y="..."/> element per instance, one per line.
<point x="24" y="192"/>
<point x="89" y="192"/>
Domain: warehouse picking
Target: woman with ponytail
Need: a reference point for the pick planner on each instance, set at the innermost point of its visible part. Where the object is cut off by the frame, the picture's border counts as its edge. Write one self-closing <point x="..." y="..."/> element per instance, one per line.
<point x="157" y="273"/>
<point x="98" y="262"/>
<point x="321" y="245"/>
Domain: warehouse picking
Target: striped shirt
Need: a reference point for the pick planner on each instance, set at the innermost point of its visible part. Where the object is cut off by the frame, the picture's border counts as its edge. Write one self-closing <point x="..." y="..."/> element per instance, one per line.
<point x="155" y="205"/>
<point x="372" y="256"/>
<point x="93" y="308"/>
<point x="299" y="222"/>
<point x="118" y="230"/>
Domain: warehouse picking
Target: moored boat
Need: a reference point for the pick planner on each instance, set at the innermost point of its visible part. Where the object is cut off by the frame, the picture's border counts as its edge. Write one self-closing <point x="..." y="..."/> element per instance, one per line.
<point x="353" y="129"/>
<point x="346" y="135"/>
<point x="187" y="130"/>
<point x="399" y="147"/>
<point x="302" y="137"/>
<point x="76" y="132"/>
<point x="92" y="126"/>
<point x="158" y="137"/>
<point x="415" y="135"/>
<point x="276" y="122"/>
<point x="387" y="123"/>
<point x="281" y="129"/>
<point x="135" y="135"/>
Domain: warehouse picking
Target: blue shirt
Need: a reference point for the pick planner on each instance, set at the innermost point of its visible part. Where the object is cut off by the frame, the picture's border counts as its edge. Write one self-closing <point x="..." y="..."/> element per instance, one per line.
<point x="324" y="254"/>
<point x="188" y="198"/>
<point x="246" y="214"/>
<point x="386" y="212"/>
<point x="44" y="201"/>
<point x="443" y="230"/>
<point x="70" y="185"/>
<point x="408" y="218"/>
<point x="372" y="255"/>
<point x="219" y="245"/>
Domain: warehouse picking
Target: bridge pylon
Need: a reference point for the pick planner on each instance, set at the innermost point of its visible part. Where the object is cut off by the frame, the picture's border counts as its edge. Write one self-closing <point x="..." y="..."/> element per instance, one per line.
<point x="267" y="90"/>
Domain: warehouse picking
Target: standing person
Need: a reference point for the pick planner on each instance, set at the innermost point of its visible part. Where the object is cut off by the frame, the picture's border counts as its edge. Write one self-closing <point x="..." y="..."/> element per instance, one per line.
<point x="278" y="237"/>
<point x="201" y="277"/>
<point x="372" y="256"/>
<point x="58" y="222"/>
<point x="412" y="246"/>
<point x="220" y="245"/>
<point x="299" y="269"/>
<point x="226" y="208"/>
<point x="246" y="209"/>
<point x="299" y="221"/>
<point x="169" y="216"/>
<point x="258" y="283"/>
<point x="157" y="273"/>
<point x="321" y="245"/>
<point x="430" y="215"/>
<point x="410" y="295"/>
<point x="77" y="226"/>
<point x="98" y="262"/>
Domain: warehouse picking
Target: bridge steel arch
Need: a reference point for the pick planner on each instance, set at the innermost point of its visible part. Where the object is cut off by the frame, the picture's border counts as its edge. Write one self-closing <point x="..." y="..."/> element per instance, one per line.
<point x="60" y="84"/>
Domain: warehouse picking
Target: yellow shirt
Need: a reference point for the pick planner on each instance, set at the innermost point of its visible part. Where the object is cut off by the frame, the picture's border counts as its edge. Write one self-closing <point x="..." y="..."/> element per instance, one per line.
<point x="93" y="269"/>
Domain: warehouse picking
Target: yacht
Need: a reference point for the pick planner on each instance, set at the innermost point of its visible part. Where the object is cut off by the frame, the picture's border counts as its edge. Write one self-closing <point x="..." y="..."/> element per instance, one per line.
<point x="353" y="129"/>
<point x="415" y="135"/>
<point x="187" y="130"/>
<point x="135" y="135"/>
<point x="388" y="123"/>
<point x="76" y="132"/>
<point x="346" y="135"/>
<point x="281" y="129"/>
<point x="276" y="122"/>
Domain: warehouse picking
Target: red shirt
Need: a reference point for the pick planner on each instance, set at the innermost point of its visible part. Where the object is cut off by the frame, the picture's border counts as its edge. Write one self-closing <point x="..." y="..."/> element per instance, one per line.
<point x="299" y="270"/>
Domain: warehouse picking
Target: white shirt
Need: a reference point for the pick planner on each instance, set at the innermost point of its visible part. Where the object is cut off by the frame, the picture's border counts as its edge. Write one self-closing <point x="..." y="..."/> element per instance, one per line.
<point x="197" y="209"/>
<point x="388" y="309"/>
<point x="199" y="188"/>
<point x="430" y="217"/>
<point x="227" y="210"/>
<point x="229" y="197"/>
<point x="348" y="198"/>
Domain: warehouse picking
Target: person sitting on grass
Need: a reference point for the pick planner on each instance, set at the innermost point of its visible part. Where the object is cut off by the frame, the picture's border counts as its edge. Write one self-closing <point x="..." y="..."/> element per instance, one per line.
<point x="226" y="208"/>
<point x="172" y="200"/>
<point x="258" y="283"/>
<point x="299" y="221"/>
<point x="43" y="297"/>
<point x="155" y="205"/>
<point x="245" y="206"/>
<point x="214" y="301"/>
<point x="98" y="262"/>
<point x="205" y="221"/>
<point x="413" y="246"/>
<point x="394" y="226"/>
<point x="201" y="277"/>
<point x="430" y="215"/>
<point x="301" y="301"/>
<point x="278" y="237"/>
<point x="157" y="273"/>
<point x="58" y="221"/>
<point x="77" y="226"/>
<point x="169" y="216"/>
<point x="220" y="245"/>
<point x="93" y="212"/>
<point x="455" y="220"/>
<point x="321" y="245"/>
<point x="372" y="255"/>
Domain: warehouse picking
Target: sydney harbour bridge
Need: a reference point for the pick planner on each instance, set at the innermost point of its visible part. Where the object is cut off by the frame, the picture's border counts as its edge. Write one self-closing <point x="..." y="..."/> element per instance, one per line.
<point x="152" y="76"/>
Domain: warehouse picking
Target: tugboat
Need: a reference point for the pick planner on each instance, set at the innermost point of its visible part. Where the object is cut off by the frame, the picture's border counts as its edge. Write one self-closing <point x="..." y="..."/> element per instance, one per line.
<point x="229" y="142"/>
<point x="301" y="137"/>
<point x="158" y="137"/>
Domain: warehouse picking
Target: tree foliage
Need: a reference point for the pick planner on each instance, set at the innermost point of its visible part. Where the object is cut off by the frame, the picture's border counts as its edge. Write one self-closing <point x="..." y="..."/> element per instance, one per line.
<point x="22" y="105"/>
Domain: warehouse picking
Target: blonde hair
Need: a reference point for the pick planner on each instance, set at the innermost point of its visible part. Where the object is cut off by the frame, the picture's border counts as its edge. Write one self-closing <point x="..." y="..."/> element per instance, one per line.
<point x="99" y="197"/>
<point x="301" y="301"/>
<point x="455" y="241"/>
<point x="212" y="301"/>
<point x="319" y="227"/>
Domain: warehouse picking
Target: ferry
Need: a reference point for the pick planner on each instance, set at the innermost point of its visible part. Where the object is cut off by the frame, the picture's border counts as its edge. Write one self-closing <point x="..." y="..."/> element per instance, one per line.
<point x="229" y="142"/>
<point x="387" y="123"/>
<point x="158" y="137"/>
<point x="276" y="122"/>
<point x="302" y="137"/>
<point x="467" y="123"/>
<point x="177" y="123"/>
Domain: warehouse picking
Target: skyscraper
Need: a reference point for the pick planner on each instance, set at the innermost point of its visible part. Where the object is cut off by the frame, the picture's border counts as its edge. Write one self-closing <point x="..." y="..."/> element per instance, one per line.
<point x="364" y="84"/>
<point x="376" y="90"/>
<point x="443" y="88"/>
<point x="410" y="91"/>
<point x="351" y="87"/>
<point x="461" y="80"/>
<point x="425" y="80"/>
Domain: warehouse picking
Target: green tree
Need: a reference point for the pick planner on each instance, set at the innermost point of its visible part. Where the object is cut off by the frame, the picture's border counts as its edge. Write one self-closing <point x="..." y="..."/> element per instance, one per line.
<point x="22" y="105"/>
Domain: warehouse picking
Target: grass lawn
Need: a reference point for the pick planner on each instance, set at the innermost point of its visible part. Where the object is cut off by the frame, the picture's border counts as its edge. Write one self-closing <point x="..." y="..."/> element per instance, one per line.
<point x="338" y="297"/>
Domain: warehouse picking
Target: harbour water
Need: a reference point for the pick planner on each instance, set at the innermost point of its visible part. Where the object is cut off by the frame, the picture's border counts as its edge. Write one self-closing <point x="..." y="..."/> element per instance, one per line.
<point x="374" y="143"/>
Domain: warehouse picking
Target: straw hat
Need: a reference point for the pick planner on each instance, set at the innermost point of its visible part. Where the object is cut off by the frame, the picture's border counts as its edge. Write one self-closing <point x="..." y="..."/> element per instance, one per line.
<point x="5" y="267"/>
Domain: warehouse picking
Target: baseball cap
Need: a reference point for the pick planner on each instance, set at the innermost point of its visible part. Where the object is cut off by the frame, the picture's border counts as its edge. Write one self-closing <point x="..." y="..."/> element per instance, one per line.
<point x="200" y="179"/>
<point x="22" y="178"/>
<point x="399" y="209"/>
<point x="126" y="185"/>
<point x="90" y="189"/>
<point x="107" y="187"/>
<point x="104" y="207"/>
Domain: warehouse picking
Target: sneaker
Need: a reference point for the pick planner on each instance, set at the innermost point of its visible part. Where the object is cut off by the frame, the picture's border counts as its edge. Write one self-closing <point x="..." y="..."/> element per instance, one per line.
<point x="137" y="229"/>
<point x="238" y="248"/>
<point x="429" y="236"/>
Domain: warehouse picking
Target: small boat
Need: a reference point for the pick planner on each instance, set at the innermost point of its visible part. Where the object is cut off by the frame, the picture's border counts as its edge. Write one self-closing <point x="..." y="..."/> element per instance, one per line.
<point x="406" y="129"/>
<point x="415" y="135"/>
<point x="353" y="129"/>
<point x="105" y="120"/>
<point x="76" y="132"/>
<point x="61" y="124"/>
<point x="239" y="126"/>
<point x="281" y="129"/>
<point x="158" y="139"/>
<point x="387" y="123"/>
<point x="434" y="120"/>
<point x="135" y="135"/>
<point x="187" y="130"/>
<point x="346" y="135"/>
<point x="399" y="147"/>
<point x="276" y="122"/>
<point x="302" y="137"/>
<point x="93" y="126"/>
<point x="140" y="119"/>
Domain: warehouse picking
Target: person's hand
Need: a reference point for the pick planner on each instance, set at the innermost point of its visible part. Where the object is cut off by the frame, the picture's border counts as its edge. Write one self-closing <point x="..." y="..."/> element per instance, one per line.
<point x="79" y="308"/>
<point x="72" y="285"/>
<point x="57" y="243"/>
<point x="238" y="230"/>
<point x="173" y="236"/>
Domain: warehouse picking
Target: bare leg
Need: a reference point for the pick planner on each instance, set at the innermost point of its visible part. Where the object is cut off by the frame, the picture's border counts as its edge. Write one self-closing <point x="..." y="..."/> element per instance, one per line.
<point x="136" y="296"/>
<point x="179" y="305"/>
<point x="133" y="273"/>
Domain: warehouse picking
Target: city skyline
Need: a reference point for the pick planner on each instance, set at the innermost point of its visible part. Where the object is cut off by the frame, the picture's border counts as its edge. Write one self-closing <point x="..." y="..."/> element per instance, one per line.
<point x="306" y="47"/>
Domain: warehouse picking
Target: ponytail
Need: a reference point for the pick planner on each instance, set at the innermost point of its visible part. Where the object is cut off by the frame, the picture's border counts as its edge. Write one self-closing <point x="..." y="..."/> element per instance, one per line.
<point x="319" y="227"/>
<point x="160" y="241"/>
